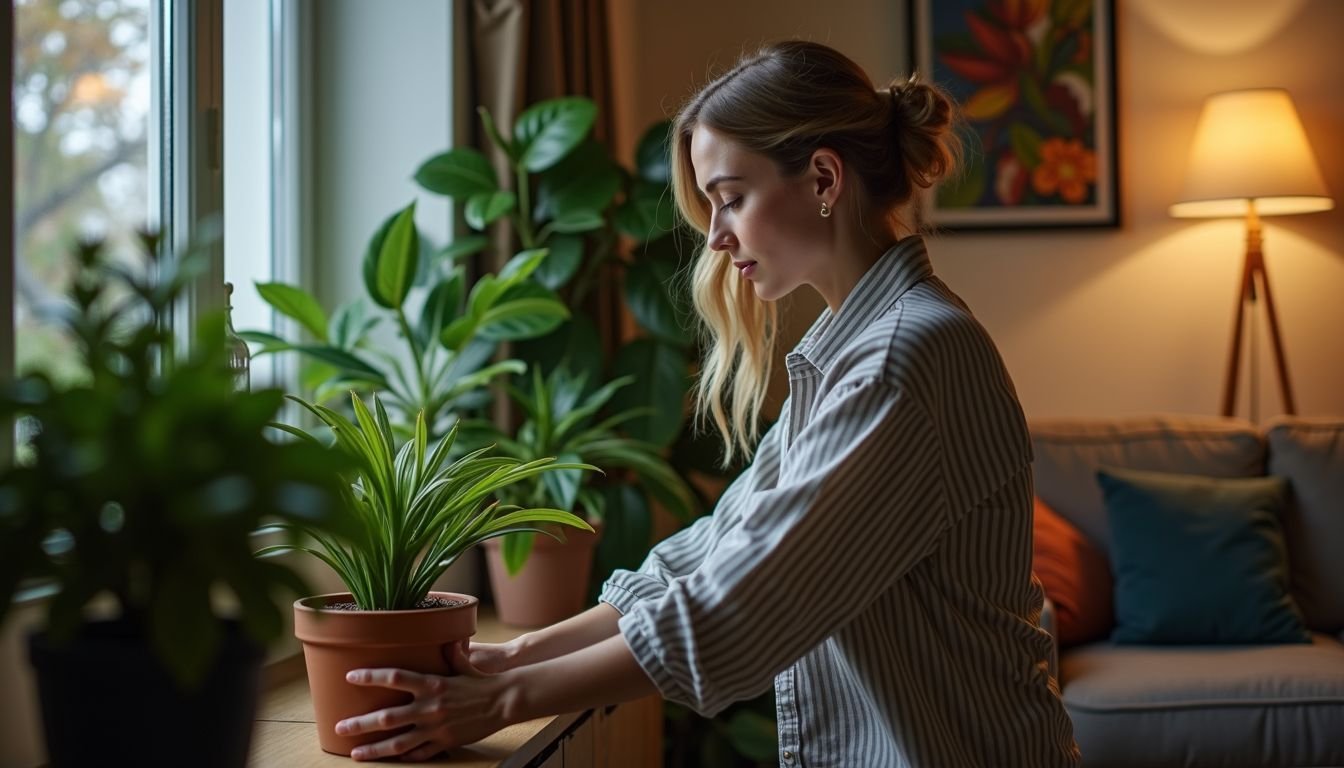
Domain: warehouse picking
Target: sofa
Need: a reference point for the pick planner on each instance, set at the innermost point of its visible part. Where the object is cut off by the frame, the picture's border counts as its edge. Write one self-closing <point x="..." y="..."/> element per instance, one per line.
<point x="1184" y="704"/>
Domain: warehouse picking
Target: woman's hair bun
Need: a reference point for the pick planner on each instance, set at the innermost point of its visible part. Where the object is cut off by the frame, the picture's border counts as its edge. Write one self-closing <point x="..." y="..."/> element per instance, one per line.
<point x="922" y="116"/>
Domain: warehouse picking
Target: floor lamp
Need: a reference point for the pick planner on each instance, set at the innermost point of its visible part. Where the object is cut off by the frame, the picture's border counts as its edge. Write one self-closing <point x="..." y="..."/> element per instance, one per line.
<point x="1250" y="158"/>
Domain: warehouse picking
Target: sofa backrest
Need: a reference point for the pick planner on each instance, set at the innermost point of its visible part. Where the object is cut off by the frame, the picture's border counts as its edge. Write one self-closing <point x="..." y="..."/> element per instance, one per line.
<point x="1309" y="453"/>
<point x="1069" y="451"/>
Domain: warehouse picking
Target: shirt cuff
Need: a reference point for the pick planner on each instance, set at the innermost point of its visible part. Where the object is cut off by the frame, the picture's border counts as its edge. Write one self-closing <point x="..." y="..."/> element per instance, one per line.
<point x="626" y="589"/>
<point x="637" y="629"/>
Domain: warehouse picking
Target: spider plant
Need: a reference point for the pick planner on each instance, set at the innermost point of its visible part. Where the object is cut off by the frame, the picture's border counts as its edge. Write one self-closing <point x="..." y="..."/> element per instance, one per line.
<point x="563" y="420"/>
<point x="413" y="510"/>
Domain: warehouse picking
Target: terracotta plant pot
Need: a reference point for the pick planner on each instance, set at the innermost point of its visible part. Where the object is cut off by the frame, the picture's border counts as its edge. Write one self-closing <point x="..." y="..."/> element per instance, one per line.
<point x="337" y="641"/>
<point x="553" y="583"/>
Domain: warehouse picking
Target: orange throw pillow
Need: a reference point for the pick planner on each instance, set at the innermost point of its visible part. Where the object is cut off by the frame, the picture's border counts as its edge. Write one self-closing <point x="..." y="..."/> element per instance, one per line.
<point x="1076" y="576"/>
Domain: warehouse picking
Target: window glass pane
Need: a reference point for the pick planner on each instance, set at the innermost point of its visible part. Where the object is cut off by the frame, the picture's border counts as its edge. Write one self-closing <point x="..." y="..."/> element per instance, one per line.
<point x="252" y="178"/>
<point x="82" y="106"/>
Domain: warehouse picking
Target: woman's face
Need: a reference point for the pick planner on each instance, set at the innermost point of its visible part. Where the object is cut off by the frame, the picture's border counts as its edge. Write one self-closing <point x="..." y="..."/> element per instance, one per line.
<point x="768" y="224"/>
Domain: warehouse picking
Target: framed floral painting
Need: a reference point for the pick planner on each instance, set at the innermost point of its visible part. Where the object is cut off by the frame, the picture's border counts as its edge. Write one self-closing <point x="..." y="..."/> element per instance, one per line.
<point x="1036" y="83"/>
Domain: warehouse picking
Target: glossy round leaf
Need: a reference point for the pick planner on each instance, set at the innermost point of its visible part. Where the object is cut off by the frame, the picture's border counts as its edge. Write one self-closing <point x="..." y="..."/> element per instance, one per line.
<point x="653" y="160"/>
<point x="458" y="173"/>
<point x="585" y="180"/>
<point x="549" y="130"/>
<point x="524" y="311"/>
<point x="398" y="257"/>
<point x="648" y="212"/>
<point x="566" y="254"/>
<point x="296" y="303"/>
<point x="486" y="207"/>
<point x="575" y="222"/>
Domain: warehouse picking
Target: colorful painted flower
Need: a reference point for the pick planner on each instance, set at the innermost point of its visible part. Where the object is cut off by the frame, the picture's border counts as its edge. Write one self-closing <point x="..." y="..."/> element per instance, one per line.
<point x="1003" y="54"/>
<point x="1067" y="168"/>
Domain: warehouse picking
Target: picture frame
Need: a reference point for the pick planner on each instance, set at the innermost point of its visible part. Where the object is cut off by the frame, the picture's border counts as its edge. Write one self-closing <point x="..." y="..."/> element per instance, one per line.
<point x="1035" y="81"/>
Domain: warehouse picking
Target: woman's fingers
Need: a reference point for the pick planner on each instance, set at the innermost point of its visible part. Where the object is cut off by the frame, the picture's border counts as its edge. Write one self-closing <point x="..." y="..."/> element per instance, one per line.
<point x="397" y="745"/>
<point x="382" y="720"/>
<point x="400" y="679"/>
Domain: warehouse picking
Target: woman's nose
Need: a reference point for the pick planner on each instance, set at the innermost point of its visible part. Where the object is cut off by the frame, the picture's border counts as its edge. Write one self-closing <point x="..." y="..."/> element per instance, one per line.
<point x="720" y="237"/>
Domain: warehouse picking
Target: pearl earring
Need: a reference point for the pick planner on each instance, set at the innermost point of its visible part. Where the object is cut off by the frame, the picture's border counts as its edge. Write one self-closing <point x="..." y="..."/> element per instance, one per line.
<point x="825" y="210"/>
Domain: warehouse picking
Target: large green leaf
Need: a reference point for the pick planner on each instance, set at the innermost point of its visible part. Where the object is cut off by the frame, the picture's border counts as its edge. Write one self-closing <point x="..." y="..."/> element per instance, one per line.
<point x="649" y="288"/>
<point x="661" y="382"/>
<point x="298" y="304"/>
<point x="441" y="308"/>
<point x="562" y="263"/>
<point x="524" y="311"/>
<point x="653" y="155"/>
<point x="458" y="173"/>
<point x="577" y="221"/>
<point x="648" y="212"/>
<point x="370" y="266"/>
<point x="549" y="130"/>
<point x="350" y="364"/>
<point x="586" y="180"/>
<point x="398" y="257"/>
<point x="486" y="207"/>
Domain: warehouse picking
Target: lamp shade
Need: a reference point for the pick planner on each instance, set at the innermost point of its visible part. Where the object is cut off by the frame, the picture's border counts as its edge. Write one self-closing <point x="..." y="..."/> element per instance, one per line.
<point x="1249" y="145"/>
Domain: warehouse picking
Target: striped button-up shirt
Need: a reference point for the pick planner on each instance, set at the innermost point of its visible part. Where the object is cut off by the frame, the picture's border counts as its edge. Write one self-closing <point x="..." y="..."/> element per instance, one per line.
<point x="874" y="562"/>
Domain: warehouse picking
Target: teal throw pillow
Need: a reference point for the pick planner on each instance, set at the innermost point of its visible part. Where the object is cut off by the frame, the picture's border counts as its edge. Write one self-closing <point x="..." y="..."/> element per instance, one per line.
<point x="1199" y="560"/>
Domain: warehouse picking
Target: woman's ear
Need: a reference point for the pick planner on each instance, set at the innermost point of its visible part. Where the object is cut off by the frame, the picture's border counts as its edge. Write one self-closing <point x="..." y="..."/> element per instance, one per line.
<point x="826" y="174"/>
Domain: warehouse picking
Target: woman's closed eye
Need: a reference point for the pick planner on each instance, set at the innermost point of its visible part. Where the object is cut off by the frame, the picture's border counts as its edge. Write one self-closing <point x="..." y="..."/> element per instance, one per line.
<point x="734" y="203"/>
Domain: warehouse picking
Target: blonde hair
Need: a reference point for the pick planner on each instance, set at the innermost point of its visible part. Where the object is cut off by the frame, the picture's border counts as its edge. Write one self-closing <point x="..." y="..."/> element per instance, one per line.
<point x="785" y="102"/>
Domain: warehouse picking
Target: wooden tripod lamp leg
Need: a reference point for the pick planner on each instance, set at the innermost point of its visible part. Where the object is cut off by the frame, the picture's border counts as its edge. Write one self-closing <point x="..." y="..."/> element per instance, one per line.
<point x="1253" y="266"/>
<point x="1285" y="387"/>
<point x="1234" y="354"/>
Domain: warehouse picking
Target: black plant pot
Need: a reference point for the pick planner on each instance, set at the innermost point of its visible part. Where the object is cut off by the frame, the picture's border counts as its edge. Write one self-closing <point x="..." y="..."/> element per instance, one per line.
<point x="107" y="700"/>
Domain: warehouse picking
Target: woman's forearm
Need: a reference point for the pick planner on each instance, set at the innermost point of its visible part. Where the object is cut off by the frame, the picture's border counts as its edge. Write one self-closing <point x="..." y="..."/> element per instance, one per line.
<point x="588" y="628"/>
<point x="597" y="675"/>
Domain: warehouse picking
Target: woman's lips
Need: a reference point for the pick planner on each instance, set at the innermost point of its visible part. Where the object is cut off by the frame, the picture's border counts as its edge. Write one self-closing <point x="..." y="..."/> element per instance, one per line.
<point x="745" y="267"/>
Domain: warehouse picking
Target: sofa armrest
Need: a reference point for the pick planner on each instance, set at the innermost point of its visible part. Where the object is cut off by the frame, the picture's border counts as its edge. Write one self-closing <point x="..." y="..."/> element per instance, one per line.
<point x="1048" y="624"/>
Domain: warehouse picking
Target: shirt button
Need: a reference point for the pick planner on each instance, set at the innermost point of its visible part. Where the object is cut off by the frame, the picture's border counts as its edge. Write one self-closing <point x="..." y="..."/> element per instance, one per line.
<point x="788" y="756"/>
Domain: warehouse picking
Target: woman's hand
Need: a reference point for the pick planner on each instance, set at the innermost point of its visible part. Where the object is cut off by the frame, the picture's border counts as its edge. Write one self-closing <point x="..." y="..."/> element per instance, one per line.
<point x="446" y="711"/>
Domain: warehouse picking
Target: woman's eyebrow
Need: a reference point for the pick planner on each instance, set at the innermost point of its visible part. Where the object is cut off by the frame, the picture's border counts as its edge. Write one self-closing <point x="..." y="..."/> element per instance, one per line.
<point x="714" y="182"/>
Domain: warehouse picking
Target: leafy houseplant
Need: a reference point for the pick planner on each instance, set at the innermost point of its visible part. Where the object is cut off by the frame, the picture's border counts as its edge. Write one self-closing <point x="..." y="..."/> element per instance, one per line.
<point x="447" y="334"/>
<point x="567" y="195"/>
<point x="562" y="420"/>
<point x="413" y="511"/>
<point x="145" y="482"/>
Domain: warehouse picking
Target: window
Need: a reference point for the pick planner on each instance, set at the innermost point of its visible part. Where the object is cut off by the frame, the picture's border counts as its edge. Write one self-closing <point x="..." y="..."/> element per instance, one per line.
<point x="262" y="164"/>
<point x="82" y="158"/>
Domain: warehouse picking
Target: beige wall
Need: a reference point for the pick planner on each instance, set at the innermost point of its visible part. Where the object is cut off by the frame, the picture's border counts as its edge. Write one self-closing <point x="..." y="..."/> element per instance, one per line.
<point x="1105" y="322"/>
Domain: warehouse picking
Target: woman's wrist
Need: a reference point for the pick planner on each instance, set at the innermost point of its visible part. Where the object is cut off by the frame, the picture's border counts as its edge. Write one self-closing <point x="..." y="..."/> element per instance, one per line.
<point x="518" y="650"/>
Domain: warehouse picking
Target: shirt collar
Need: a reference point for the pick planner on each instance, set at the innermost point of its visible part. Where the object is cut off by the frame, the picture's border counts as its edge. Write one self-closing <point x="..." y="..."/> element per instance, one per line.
<point x="898" y="270"/>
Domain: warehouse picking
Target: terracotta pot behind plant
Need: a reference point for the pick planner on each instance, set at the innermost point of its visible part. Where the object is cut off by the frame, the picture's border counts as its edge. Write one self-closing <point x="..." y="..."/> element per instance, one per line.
<point x="553" y="583"/>
<point x="337" y="641"/>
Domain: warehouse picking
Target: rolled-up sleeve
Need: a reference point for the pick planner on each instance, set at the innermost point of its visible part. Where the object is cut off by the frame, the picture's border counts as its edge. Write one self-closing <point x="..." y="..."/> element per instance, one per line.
<point x="859" y="501"/>
<point x="684" y="551"/>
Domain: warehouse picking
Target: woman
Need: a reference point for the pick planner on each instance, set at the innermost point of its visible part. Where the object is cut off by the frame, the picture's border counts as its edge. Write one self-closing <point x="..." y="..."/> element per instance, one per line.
<point x="874" y="562"/>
